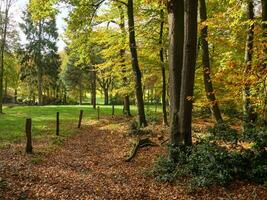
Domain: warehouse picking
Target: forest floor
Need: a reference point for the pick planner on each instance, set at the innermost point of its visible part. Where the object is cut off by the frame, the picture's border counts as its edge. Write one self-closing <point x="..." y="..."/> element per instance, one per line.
<point x="91" y="165"/>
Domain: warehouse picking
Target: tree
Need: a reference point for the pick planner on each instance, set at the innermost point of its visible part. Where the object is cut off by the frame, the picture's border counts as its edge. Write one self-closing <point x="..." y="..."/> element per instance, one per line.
<point x="248" y="111"/>
<point x="135" y="65"/>
<point x="206" y="63"/>
<point x="4" y="22"/>
<point x="188" y="71"/>
<point x="163" y="70"/>
<point x="41" y="48"/>
<point x="176" y="45"/>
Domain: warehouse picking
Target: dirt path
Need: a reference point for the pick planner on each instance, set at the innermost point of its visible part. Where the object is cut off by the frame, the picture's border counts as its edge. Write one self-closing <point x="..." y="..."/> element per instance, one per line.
<point x="91" y="165"/>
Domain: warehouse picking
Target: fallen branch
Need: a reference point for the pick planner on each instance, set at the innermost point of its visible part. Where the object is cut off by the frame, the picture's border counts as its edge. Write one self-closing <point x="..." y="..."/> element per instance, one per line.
<point x="140" y="144"/>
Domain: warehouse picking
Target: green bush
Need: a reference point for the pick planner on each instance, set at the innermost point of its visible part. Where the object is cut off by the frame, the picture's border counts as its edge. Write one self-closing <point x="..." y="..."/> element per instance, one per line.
<point x="223" y="131"/>
<point x="206" y="164"/>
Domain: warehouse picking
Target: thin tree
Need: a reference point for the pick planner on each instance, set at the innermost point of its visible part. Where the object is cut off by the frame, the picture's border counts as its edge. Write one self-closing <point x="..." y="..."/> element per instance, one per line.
<point x="135" y="65"/>
<point x="248" y="112"/>
<point x="4" y="19"/>
<point x="163" y="71"/>
<point x="206" y="63"/>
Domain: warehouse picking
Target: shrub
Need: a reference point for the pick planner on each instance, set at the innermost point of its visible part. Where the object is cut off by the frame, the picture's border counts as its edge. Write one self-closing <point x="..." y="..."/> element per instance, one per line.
<point x="223" y="131"/>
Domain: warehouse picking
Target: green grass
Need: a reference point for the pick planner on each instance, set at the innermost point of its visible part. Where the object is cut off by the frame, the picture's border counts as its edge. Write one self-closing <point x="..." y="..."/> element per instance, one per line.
<point x="12" y="123"/>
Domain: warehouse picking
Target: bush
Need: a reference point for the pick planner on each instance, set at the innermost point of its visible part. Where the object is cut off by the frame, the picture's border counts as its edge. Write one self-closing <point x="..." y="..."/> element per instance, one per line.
<point x="257" y="136"/>
<point x="206" y="164"/>
<point x="222" y="131"/>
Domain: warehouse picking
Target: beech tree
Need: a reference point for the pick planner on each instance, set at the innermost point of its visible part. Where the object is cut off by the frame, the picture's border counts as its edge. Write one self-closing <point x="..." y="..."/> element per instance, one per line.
<point x="206" y="63"/>
<point x="176" y="40"/>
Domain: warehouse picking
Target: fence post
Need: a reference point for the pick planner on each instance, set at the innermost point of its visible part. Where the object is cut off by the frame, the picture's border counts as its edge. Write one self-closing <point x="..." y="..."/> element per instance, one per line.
<point x="57" y="125"/>
<point x="28" y="130"/>
<point x="80" y="119"/>
<point x="98" y="113"/>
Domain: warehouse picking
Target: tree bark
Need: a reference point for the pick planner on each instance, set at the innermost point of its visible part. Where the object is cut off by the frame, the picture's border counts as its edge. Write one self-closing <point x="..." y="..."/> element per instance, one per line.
<point x="39" y="68"/>
<point x="188" y="72"/>
<point x="176" y="44"/>
<point x="93" y="88"/>
<point x="248" y="112"/>
<point x="135" y="66"/>
<point x="206" y="64"/>
<point x="163" y="72"/>
<point x="3" y="44"/>
<point x="106" y="98"/>
<point x="80" y="94"/>
<point x="264" y="26"/>
<point x="126" y="102"/>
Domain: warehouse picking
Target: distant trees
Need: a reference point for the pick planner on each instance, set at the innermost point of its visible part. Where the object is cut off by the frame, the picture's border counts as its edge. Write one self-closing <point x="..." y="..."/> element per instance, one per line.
<point x="5" y="6"/>
<point x="39" y="56"/>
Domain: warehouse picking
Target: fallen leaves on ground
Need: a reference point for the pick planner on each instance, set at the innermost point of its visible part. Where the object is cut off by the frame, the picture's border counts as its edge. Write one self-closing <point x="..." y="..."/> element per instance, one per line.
<point x="90" y="165"/>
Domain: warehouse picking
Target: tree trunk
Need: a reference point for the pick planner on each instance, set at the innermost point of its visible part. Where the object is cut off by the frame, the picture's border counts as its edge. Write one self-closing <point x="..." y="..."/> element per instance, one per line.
<point x="126" y="102"/>
<point x="93" y="89"/>
<point x="3" y="44"/>
<point x="80" y="94"/>
<point x="163" y="72"/>
<point x="135" y="66"/>
<point x="248" y="113"/>
<point x="39" y="68"/>
<point x="6" y="89"/>
<point x="188" y="72"/>
<point x="15" y="96"/>
<point x="206" y="64"/>
<point x="176" y="44"/>
<point x="264" y="26"/>
<point x="106" y="99"/>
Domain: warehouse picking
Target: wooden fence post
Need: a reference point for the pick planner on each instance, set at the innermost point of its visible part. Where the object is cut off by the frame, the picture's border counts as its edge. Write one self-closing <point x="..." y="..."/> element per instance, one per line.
<point x="28" y="130"/>
<point x="57" y="125"/>
<point x="80" y="119"/>
<point x="98" y="113"/>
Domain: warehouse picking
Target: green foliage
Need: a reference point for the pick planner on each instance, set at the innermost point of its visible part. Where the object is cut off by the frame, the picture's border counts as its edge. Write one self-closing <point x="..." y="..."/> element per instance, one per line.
<point x="258" y="136"/>
<point x="206" y="164"/>
<point x="224" y="132"/>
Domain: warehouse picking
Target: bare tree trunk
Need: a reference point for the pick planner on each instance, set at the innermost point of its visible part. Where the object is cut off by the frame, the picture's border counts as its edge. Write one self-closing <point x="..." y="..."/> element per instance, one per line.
<point x="6" y="88"/>
<point x="93" y="89"/>
<point x="80" y="94"/>
<point x="106" y="98"/>
<point x="163" y="72"/>
<point x="248" y="113"/>
<point x="176" y="44"/>
<point x="135" y="66"/>
<point x="188" y="72"/>
<point x="264" y="26"/>
<point x="206" y="64"/>
<point x="39" y="68"/>
<point x="2" y="49"/>
<point x="126" y="102"/>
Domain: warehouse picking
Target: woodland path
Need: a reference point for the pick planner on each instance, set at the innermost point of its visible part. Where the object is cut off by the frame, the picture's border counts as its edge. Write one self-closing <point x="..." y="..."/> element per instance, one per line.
<point x="90" y="165"/>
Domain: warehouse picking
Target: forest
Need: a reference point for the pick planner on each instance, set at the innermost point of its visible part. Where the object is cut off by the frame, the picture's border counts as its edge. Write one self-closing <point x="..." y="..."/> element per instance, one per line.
<point x="133" y="99"/>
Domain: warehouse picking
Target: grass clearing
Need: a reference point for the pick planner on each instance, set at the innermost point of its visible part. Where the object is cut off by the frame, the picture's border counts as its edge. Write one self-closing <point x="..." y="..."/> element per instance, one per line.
<point x="12" y="123"/>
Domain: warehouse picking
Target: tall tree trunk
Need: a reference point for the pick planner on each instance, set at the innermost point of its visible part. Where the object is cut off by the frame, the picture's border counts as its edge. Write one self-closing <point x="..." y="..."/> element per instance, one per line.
<point x="206" y="64"/>
<point x="248" y="113"/>
<point x="2" y="49"/>
<point x="15" y="95"/>
<point x="135" y="66"/>
<point x="188" y="72"/>
<point x="163" y="72"/>
<point x="93" y="88"/>
<point x="6" y="88"/>
<point x="39" y="68"/>
<point x="80" y="94"/>
<point x="106" y="98"/>
<point x="126" y="102"/>
<point x="264" y="26"/>
<point x="176" y="44"/>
